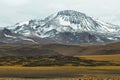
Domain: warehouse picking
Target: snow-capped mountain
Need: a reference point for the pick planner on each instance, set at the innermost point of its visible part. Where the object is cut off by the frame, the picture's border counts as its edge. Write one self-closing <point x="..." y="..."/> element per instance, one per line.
<point x="67" y="26"/>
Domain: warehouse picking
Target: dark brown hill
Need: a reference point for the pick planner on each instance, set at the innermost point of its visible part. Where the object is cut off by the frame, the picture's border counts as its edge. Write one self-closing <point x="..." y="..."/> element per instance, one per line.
<point x="59" y="49"/>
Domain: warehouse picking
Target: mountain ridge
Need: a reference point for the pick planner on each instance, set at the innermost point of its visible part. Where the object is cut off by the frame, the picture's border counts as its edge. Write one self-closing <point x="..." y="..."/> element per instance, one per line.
<point x="65" y="27"/>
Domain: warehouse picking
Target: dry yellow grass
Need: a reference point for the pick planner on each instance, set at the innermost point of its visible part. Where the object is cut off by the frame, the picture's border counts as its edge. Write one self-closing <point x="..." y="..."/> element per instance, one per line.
<point x="56" y="71"/>
<point x="3" y="79"/>
<point x="85" y="77"/>
<point x="81" y="68"/>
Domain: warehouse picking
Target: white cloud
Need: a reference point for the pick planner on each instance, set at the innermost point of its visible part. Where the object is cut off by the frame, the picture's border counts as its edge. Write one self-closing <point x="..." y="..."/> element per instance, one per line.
<point x="12" y="11"/>
<point x="15" y="2"/>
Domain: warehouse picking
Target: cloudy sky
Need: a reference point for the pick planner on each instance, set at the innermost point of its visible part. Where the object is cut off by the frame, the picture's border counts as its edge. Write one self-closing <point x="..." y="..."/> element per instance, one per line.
<point x="13" y="11"/>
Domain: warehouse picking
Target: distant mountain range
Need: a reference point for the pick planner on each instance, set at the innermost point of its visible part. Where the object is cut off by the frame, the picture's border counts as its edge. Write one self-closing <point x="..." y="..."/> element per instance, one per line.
<point x="63" y="27"/>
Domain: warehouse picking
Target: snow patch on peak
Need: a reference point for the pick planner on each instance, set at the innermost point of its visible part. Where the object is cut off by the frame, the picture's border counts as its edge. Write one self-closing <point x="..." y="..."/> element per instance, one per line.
<point x="64" y="22"/>
<point x="70" y="13"/>
<point x="9" y="36"/>
<point x="22" y="23"/>
<point x="107" y="26"/>
<point x="112" y="38"/>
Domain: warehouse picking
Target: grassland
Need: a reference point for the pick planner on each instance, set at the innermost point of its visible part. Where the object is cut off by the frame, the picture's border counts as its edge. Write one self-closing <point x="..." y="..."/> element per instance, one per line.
<point x="51" y="61"/>
<point x="85" y="77"/>
<point x="56" y="71"/>
<point x="45" y="71"/>
<point x="85" y="62"/>
<point x="60" y="73"/>
<point x="111" y="58"/>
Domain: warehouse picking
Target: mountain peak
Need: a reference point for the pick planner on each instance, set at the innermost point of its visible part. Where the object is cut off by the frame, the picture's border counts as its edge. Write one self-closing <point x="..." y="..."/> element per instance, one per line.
<point x="70" y="13"/>
<point x="68" y="26"/>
